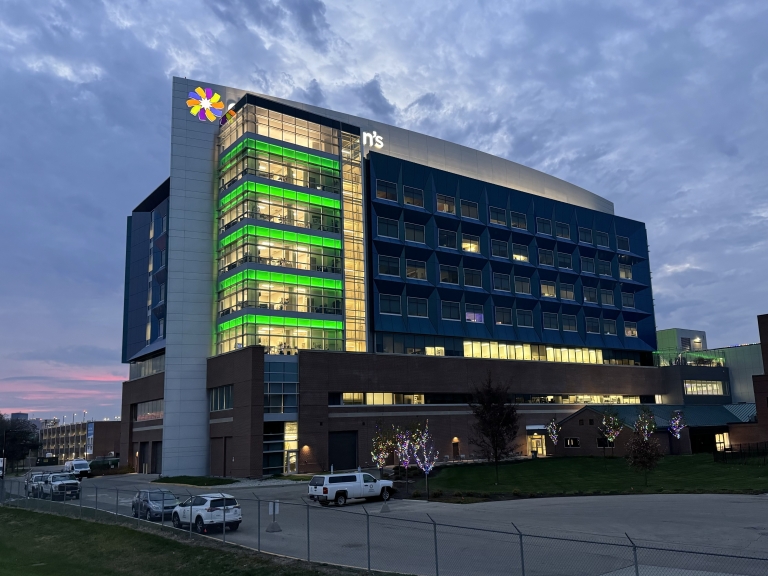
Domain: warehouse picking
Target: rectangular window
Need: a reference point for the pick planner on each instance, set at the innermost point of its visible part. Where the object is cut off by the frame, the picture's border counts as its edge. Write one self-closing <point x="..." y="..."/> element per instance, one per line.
<point x="590" y="294"/>
<point x="522" y="285"/>
<point x="622" y="243"/>
<point x="220" y="398"/>
<point x="446" y="238"/>
<point x="587" y="264"/>
<point x="566" y="291"/>
<point x="585" y="235"/>
<point x="569" y="323"/>
<point x="572" y="443"/>
<point x="627" y="300"/>
<point x="609" y="327"/>
<point x="446" y="204"/>
<point x="544" y="226"/>
<point x="389" y="303"/>
<point x="473" y="278"/>
<point x="389" y="265"/>
<point x="550" y="321"/>
<point x="602" y="239"/>
<point x="625" y="271"/>
<point x="525" y="318"/>
<point x="606" y="297"/>
<point x="500" y="248"/>
<point x="562" y="230"/>
<point x="451" y="311"/>
<point x="630" y="329"/>
<point x="413" y="196"/>
<point x="548" y="289"/>
<point x="593" y="325"/>
<point x="564" y="261"/>
<point x="386" y="190"/>
<point x="604" y="268"/>
<point x="415" y="269"/>
<point x="469" y="209"/>
<point x="414" y="232"/>
<point x="470" y="243"/>
<point x="705" y="388"/>
<point x="503" y="315"/>
<point x="498" y="215"/>
<point x="474" y="313"/>
<point x="546" y="257"/>
<point x="152" y="410"/>
<point x="517" y="220"/>
<point x="501" y="282"/>
<point x="449" y="274"/>
<point x="519" y="252"/>
<point x="417" y="307"/>
<point x="388" y="228"/>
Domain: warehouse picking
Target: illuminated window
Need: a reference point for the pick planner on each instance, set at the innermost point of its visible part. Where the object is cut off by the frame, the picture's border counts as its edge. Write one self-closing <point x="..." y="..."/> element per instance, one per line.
<point x="413" y="196"/>
<point x="473" y="278"/>
<point x="566" y="291"/>
<point x="517" y="220"/>
<point x="152" y="410"/>
<point x="417" y="307"/>
<point x="602" y="239"/>
<point x="548" y="289"/>
<point x="446" y="238"/>
<point x="414" y="232"/>
<point x="593" y="325"/>
<point x="625" y="271"/>
<point x="446" y="204"/>
<point x="520" y="252"/>
<point x="585" y="235"/>
<point x="590" y="295"/>
<point x="705" y="388"/>
<point x="352" y="398"/>
<point x="500" y="248"/>
<point x="550" y="321"/>
<point x="609" y="327"/>
<point x="386" y="190"/>
<point x="562" y="230"/>
<point x="501" y="282"/>
<point x="388" y="228"/>
<point x="722" y="441"/>
<point x="469" y="209"/>
<point x="546" y="257"/>
<point x="451" y="311"/>
<point x="470" y="243"/>
<point x="572" y="443"/>
<point x="449" y="274"/>
<point x="627" y="300"/>
<point x="622" y="243"/>
<point x="503" y="315"/>
<point x="630" y="329"/>
<point x="522" y="285"/>
<point x="416" y="269"/>
<point x="525" y="318"/>
<point x="389" y="265"/>
<point x="474" y="313"/>
<point x="389" y="304"/>
<point x="498" y="216"/>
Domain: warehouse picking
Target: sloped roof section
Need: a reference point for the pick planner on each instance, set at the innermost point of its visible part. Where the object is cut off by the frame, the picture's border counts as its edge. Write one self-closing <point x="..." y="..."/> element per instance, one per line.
<point x="695" y="416"/>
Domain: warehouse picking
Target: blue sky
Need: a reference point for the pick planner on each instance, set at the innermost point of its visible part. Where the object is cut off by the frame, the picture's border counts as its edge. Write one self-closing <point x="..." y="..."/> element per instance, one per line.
<point x="658" y="106"/>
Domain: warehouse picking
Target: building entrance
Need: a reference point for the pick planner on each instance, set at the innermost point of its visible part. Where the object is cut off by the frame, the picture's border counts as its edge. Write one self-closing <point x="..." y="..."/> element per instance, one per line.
<point x="536" y="443"/>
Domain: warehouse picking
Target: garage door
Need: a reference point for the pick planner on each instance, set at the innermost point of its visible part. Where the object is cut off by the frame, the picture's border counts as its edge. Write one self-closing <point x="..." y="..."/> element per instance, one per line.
<point x="342" y="450"/>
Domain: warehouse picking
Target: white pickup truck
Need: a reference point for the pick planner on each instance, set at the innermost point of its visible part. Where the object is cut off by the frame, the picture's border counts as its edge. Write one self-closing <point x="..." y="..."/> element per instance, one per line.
<point x="339" y="488"/>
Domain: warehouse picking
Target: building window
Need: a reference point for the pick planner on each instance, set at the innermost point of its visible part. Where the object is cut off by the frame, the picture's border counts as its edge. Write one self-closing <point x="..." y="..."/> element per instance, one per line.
<point x="609" y="327"/>
<point x="414" y="232"/>
<point x="550" y="321"/>
<point x="544" y="226"/>
<point x="503" y="315"/>
<point x="525" y="318"/>
<point x="413" y="196"/>
<point x="602" y="239"/>
<point x="417" y="307"/>
<point x="389" y="304"/>
<point x="498" y="216"/>
<point x="451" y="311"/>
<point x="569" y="323"/>
<point x="501" y="282"/>
<point x="590" y="294"/>
<point x="722" y="441"/>
<point x="519" y="252"/>
<point x="564" y="261"/>
<point x="548" y="289"/>
<point x="446" y="238"/>
<point x="630" y="329"/>
<point x="572" y="443"/>
<point x="588" y="265"/>
<point x="469" y="209"/>
<point x="566" y="291"/>
<point x="473" y="278"/>
<point x="627" y="300"/>
<point x="386" y="190"/>
<point x="415" y="269"/>
<point x="446" y="204"/>
<point x="562" y="230"/>
<point x="585" y="235"/>
<point x="352" y="398"/>
<point x="705" y="388"/>
<point x="522" y="285"/>
<point x="546" y="257"/>
<point x="161" y="328"/>
<point x="517" y="220"/>
<point x="470" y="243"/>
<point x="152" y="410"/>
<point x="500" y="248"/>
<point x="625" y="271"/>
<point x="389" y="265"/>
<point x="606" y="297"/>
<point x="449" y="274"/>
<point x="388" y="228"/>
<point x="220" y="398"/>
<point x="473" y="313"/>
<point x="622" y="243"/>
<point x="593" y="325"/>
<point x="604" y="268"/>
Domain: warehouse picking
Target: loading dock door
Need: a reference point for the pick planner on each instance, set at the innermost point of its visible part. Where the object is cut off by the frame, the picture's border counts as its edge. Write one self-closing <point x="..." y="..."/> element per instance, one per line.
<point x="342" y="450"/>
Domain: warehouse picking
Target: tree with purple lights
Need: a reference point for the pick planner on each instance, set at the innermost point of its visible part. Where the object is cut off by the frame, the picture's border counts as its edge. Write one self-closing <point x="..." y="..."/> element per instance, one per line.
<point x="404" y="442"/>
<point x="425" y="454"/>
<point x="677" y="423"/>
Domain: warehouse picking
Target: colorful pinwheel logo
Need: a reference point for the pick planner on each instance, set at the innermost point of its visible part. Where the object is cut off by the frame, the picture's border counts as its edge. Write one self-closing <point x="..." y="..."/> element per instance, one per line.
<point x="205" y="104"/>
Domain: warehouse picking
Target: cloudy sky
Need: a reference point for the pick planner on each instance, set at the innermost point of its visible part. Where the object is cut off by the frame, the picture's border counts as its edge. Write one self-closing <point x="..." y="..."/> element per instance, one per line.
<point x="658" y="106"/>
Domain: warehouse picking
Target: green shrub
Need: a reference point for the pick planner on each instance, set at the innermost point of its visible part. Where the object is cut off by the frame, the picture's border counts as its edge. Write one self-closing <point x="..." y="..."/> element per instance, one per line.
<point x="416" y="494"/>
<point x="437" y="494"/>
<point x="457" y="494"/>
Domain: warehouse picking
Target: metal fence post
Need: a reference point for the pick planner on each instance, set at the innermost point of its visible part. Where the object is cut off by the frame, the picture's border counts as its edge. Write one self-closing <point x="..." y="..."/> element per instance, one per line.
<point x="96" y="505"/>
<point x="190" y="513"/>
<point x="258" y="520"/>
<point x="224" y="521"/>
<point x="368" y="535"/>
<point x="307" y="503"/>
<point x="634" y="553"/>
<point x="117" y="503"/>
<point x="81" y="504"/>
<point x="522" y="555"/>
<point x="434" y="529"/>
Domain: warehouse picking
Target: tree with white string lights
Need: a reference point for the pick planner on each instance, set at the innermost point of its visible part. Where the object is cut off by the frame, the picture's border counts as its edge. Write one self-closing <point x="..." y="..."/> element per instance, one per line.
<point x="425" y="454"/>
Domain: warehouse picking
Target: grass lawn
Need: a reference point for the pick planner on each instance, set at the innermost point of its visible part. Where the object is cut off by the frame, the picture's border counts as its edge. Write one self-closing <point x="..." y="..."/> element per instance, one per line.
<point x="195" y="480"/>
<point x="33" y="544"/>
<point x="584" y="475"/>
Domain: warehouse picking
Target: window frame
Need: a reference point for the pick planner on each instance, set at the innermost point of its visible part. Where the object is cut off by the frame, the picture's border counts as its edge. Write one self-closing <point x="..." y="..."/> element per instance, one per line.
<point x="495" y="242"/>
<point x="595" y="324"/>
<point x="528" y="313"/>
<point x="607" y="322"/>
<point x="446" y="231"/>
<point x="414" y="226"/>
<point x="631" y="295"/>
<point x="379" y="220"/>
<point x="422" y="267"/>
<point x="527" y="281"/>
<point x="442" y="198"/>
<point x="592" y="265"/>
<point x="560" y="256"/>
<point x="591" y="289"/>
<point x="474" y="313"/>
<point x="417" y="301"/>
<point x="559" y="225"/>
<point x="598" y="234"/>
<point x="442" y="310"/>
<point x="575" y="323"/>
<point x="543" y="222"/>
<point x="447" y="267"/>
<point x="601" y="264"/>
<point x="389" y="298"/>
<point x="625" y="271"/>
<point x="546" y="318"/>
<point x="386" y="197"/>
<point x="630" y="327"/>
<point x="547" y="284"/>
<point x="551" y="256"/>
<point x="495" y="221"/>
<point x="565" y="288"/>
<point x="504" y="310"/>
<point x="501" y="276"/>
<point x="382" y="256"/>
<point x="514" y="217"/>
<point x="591" y="236"/>
<point x="471" y="240"/>
<point x="604" y="299"/>
<point x="473" y="270"/>
<point x="405" y="196"/>
<point x="515" y="254"/>
<point x="469" y="204"/>
<point x="619" y="242"/>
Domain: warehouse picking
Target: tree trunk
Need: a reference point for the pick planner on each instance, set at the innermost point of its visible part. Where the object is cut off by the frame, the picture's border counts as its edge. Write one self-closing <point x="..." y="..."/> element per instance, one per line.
<point x="497" y="471"/>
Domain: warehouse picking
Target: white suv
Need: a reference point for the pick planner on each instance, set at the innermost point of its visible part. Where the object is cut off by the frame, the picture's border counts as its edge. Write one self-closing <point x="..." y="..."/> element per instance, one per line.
<point x="341" y="487"/>
<point x="207" y="510"/>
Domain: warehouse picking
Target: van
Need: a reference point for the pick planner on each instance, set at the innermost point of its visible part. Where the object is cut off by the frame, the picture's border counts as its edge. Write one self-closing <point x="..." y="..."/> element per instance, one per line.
<point x="80" y="468"/>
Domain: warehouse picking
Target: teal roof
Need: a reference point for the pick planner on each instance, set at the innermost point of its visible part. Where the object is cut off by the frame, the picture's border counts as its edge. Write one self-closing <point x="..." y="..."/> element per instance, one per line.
<point x="695" y="416"/>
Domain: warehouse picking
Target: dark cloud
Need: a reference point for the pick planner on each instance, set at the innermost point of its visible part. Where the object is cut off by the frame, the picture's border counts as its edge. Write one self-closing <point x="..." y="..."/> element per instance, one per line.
<point x="312" y="94"/>
<point x="372" y="97"/>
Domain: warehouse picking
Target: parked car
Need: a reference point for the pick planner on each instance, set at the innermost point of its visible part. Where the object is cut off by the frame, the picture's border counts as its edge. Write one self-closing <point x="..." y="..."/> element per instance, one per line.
<point x="79" y="468"/>
<point x="208" y="510"/>
<point x="61" y="485"/>
<point x="32" y="483"/>
<point x="153" y="504"/>
<point x="339" y="488"/>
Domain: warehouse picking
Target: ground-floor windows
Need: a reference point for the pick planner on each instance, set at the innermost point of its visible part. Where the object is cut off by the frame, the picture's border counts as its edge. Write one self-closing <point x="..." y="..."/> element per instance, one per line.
<point x="281" y="447"/>
<point x="722" y="441"/>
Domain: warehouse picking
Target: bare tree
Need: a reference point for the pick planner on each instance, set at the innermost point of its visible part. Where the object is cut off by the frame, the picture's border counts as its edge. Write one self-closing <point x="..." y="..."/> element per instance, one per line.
<point x="496" y="421"/>
<point x="643" y="455"/>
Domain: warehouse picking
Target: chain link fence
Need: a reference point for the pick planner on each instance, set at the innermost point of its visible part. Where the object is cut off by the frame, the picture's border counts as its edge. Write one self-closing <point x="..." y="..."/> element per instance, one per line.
<point x="371" y="537"/>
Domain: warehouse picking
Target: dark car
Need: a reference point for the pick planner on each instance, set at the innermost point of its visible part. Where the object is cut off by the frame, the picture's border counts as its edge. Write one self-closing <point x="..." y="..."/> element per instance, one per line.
<point x="153" y="504"/>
